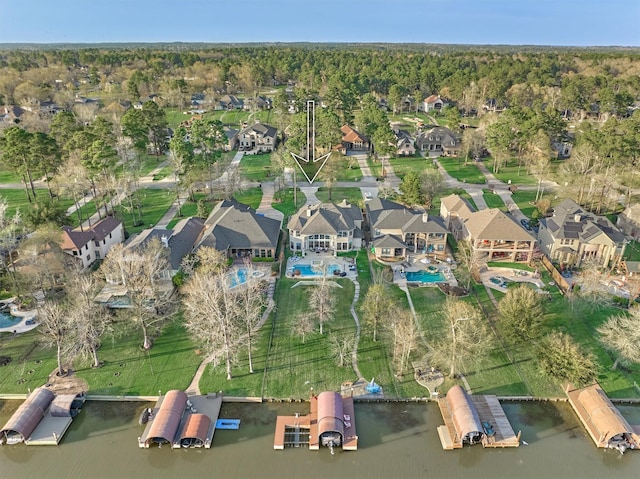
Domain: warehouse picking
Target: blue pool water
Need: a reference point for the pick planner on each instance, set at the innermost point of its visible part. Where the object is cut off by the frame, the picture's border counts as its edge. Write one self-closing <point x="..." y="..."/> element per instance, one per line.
<point x="6" y="320"/>
<point x="239" y="276"/>
<point x="308" y="270"/>
<point x="424" y="277"/>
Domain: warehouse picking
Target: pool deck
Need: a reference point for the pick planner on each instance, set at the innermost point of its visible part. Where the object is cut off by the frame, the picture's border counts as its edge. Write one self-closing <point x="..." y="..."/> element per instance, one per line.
<point x="21" y="326"/>
<point x="316" y="260"/>
<point x="512" y="274"/>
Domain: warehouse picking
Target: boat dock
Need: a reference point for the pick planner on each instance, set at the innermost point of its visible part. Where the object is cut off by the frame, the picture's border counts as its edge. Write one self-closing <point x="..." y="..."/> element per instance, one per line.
<point x="297" y="431"/>
<point x="195" y="407"/>
<point x="489" y="411"/>
<point x="49" y="431"/>
<point x="602" y="420"/>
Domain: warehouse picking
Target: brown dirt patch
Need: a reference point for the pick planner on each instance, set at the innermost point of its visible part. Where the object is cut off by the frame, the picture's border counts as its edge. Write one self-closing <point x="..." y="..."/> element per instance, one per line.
<point x="68" y="384"/>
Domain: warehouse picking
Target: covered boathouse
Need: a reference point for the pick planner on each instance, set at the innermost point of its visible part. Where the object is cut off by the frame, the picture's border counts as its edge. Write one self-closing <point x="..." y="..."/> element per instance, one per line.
<point x="42" y="419"/>
<point x="602" y="420"/>
<point x="330" y="423"/>
<point x="179" y="420"/>
<point x="474" y="420"/>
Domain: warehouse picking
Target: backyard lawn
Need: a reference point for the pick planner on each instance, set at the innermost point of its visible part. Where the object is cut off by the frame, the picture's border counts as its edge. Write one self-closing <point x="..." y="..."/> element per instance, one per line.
<point x="154" y="204"/>
<point x="493" y="200"/>
<point x="128" y="370"/>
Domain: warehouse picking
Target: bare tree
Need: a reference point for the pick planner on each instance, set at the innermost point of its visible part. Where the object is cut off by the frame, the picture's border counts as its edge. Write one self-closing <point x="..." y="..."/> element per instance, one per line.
<point x="89" y="320"/>
<point x="562" y="358"/>
<point x="376" y="305"/>
<point x="470" y="260"/>
<point x="323" y="301"/>
<point x="251" y="301"/>
<point x="10" y="227"/>
<point x="303" y="326"/>
<point x="205" y="260"/>
<point x="211" y="316"/>
<point x="621" y="335"/>
<point x="521" y="313"/>
<point x="464" y="337"/>
<point x="55" y="329"/>
<point x="341" y="346"/>
<point x="402" y="335"/>
<point x="141" y="271"/>
<point x="431" y="185"/>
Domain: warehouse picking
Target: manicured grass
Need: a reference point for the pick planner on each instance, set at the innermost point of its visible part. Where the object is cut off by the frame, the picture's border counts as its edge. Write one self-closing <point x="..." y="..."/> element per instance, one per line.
<point x="256" y="167"/>
<point x="16" y="198"/>
<point x="350" y="172"/>
<point x="525" y="199"/>
<point x="9" y="176"/>
<point x="352" y="195"/>
<point x="632" y="251"/>
<point x="190" y="208"/>
<point x="401" y="166"/>
<point x="283" y="201"/>
<point x="511" y="171"/>
<point x="154" y="202"/>
<point x="87" y="210"/>
<point x="128" y="370"/>
<point x="250" y="196"/>
<point x="163" y="173"/>
<point x="493" y="200"/>
<point x="468" y="173"/>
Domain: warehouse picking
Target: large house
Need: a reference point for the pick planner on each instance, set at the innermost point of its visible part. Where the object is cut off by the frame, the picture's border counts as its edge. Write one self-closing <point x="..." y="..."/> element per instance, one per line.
<point x="404" y="143"/>
<point x="180" y="241"/>
<point x="257" y="138"/>
<point x="492" y="234"/>
<point x="433" y="103"/>
<point x="237" y="231"/>
<point x="90" y="244"/>
<point x="573" y="235"/>
<point x="326" y="226"/>
<point x="353" y="141"/>
<point x="629" y="221"/>
<point x="229" y="102"/>
<point x="438" y="141"/>
<point x="397" y="231"/>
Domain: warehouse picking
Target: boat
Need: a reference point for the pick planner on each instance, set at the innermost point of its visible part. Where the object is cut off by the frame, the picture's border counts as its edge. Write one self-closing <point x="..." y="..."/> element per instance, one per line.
<point x="228" y="424"/>
<point x="145" y="416"/>
<point x="488" y="429"/>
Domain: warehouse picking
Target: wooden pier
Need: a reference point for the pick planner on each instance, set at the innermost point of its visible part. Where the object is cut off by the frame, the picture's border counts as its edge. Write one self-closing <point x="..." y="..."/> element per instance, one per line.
<point x="49" y="431"/>
<point x="297" y="431"/>
<point x="490" y="411"/>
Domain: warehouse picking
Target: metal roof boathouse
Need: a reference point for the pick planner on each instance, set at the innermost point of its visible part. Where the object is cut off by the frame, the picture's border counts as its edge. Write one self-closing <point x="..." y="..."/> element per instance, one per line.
<point x="179" y="420"/>
<point x="42" y="419"/>
<point x="474" y="420"/>
<point x="602" y="420"/>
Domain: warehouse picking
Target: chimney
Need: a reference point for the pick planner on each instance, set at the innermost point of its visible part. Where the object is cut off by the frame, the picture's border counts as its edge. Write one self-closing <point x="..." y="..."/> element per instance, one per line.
<point x="308" y="211"/>
<point x="165" y="241"/>
<point x="425" y="217"/>
<point x="577" y="217"/>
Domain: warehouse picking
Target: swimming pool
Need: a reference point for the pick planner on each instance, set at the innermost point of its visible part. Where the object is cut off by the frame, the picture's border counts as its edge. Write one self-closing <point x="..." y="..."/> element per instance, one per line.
<point x="7" y="321"/>
<point x="239" y="276"/>
<point x="308" y="270"/>
<point x="425" y="277"/>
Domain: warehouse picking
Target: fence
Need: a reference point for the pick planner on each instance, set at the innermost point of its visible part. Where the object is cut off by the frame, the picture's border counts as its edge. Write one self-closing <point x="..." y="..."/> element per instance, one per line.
<point x="555" y="275"/>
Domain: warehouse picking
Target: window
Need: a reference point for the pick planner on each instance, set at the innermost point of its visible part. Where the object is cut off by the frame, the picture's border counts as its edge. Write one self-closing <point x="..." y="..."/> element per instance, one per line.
<point x="98" y="244"/>
<point x="386" y="251"/>
<point x="75" y="253"/>
<point x="88" y="257"/>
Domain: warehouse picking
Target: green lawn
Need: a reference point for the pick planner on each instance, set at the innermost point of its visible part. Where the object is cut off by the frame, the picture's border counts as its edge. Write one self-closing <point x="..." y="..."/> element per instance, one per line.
<point x="401" y="166"/>
<point x="128" y="370"/>
<point x="468" y="173"/>
<point x="250" y="196"/>
<point x="190" y="208"/>
<point x="256" y="167"/>
<point x="632" y="251"/>
<point x="9" y="176"/>
<point x="525" y="199"/>
<point x="493" y="200"/>
<point x="352" y="195"/>
<point x="511" y="171"/>
<point x="283" y="201"/>
<point x="16" y="198"/>
<point x="154" y="203"/>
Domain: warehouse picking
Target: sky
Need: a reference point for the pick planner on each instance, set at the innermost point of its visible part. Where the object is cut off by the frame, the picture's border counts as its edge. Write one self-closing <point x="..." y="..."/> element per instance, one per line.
<point x="514" y="22"/>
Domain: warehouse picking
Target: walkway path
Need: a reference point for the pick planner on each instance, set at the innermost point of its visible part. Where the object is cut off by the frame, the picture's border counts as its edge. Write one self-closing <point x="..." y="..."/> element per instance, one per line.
<point x="354" y="353"/>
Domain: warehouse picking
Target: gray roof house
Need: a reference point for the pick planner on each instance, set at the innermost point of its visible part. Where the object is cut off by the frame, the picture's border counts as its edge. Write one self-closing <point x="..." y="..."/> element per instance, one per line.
<point x="326" y="226"/>
<point x="573" y="235"/>
<point x="229" y="102"/>
<point x="238" y="231"/>
<point x="397" y="231"/>
<point x="257" y="138"/>
<point x="404" y="143"/>
<point x="438" y="141"/>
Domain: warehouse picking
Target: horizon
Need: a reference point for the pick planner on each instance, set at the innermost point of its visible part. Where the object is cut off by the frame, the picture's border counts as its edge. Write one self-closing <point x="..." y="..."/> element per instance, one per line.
<point x="541" y="23"/>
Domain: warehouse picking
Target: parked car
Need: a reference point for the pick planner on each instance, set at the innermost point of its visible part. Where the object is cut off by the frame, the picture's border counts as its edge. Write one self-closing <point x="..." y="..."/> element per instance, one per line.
<point x="525" y="224"/>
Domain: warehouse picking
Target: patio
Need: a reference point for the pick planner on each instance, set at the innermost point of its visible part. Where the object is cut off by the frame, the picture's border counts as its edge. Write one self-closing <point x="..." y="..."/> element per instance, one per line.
<point x="314" y="264"/>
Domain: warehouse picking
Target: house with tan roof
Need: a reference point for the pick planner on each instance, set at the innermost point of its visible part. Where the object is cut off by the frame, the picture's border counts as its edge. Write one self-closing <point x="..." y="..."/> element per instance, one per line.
<point x="353" y="141"/>
<point x="397" y="231"/>
<point x="326" y="226"/>
<point x="573" y="235"/>
<point x="433" y="103"/>
<point x="493" y="234"/>
<point x="90" y="244"/>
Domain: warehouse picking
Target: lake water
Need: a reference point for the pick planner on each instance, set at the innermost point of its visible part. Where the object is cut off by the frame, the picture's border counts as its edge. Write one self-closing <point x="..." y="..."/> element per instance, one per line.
<point x="397" y="440"/>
